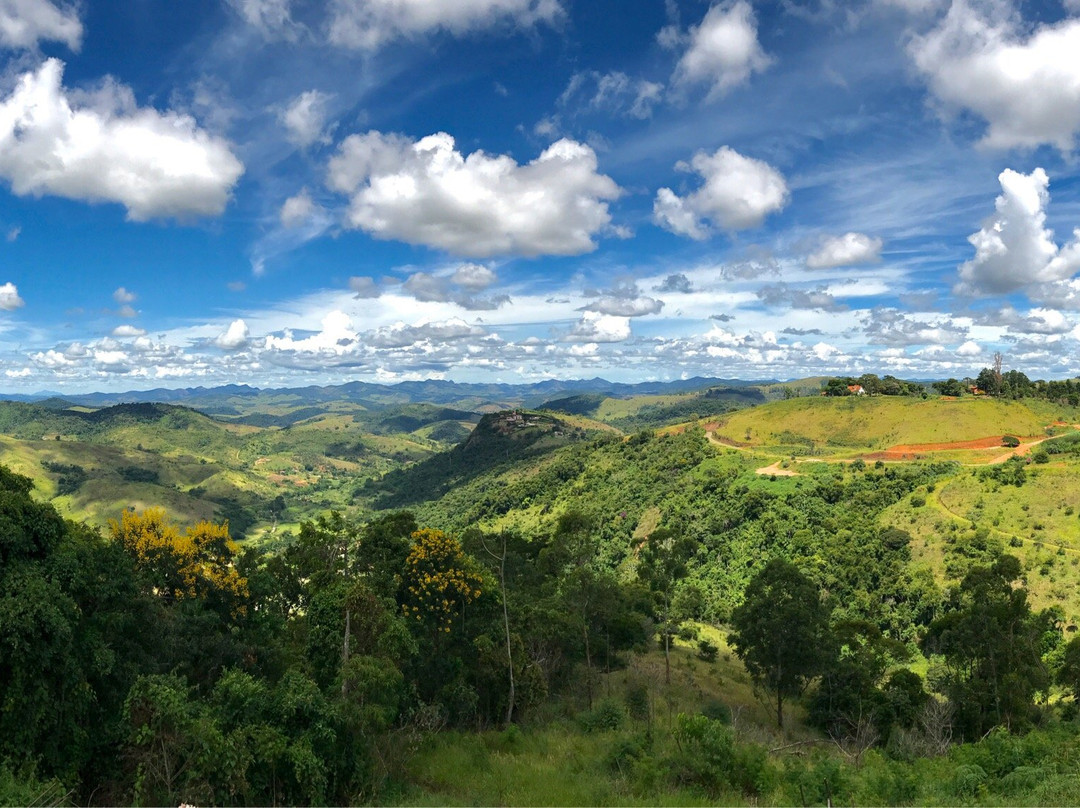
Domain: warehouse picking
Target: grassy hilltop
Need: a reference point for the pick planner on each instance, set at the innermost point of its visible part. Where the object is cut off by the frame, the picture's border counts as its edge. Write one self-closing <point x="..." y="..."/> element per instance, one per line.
<point x="863" y="424"/>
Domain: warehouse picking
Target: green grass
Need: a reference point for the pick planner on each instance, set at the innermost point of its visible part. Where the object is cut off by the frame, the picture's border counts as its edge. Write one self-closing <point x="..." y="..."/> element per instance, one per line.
<point x="558" y="765"/>
<point x="969" y="516"/>
<point x="200" y="468"/>
<point x="554" y="760"/>
<point x="838" y="425"/>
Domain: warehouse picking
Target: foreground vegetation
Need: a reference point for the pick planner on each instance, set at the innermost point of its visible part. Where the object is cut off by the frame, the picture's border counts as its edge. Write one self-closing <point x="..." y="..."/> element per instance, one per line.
<point x="549" y="612"/>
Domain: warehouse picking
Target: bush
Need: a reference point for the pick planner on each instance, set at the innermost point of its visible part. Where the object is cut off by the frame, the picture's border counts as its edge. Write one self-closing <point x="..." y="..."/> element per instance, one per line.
<point x="1010" y="441"/>
<point x="687" y="632"/>
<point x="707" y="651"/>
<point x="22" y="787"/>
<point x="625" y="752"/>
<point x="709" y="757"/>
<point x="608" y="714"/>
<point x="717" y="711"/>
<point x="637" y="702"/>
<point x="966" y="780"/>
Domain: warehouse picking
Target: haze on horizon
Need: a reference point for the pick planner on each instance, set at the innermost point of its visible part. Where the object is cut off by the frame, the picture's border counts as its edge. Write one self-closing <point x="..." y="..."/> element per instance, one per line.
<point x="289" y="192"/>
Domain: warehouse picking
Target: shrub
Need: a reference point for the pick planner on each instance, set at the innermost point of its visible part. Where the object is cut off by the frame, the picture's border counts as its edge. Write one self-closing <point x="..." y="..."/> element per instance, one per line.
<point x="707" y="651"/>
<point x="709" y="757"/>
<point x="637" y="702"/>
<point x="717" y="711"/>
<point x="625" y="752"/>
<point x="608" y="714"/>
<point x="966" y="780"/>
<point x="1010" y="441"/>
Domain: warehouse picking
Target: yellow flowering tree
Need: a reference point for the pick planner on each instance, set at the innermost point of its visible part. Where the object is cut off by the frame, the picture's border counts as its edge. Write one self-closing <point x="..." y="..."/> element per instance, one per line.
<point x="195" y="563"/>
<point x="439" y="580"/>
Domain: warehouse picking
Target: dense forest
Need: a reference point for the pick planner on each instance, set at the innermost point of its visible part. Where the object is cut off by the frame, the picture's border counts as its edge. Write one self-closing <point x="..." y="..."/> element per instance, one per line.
<point x="158" y="663"/>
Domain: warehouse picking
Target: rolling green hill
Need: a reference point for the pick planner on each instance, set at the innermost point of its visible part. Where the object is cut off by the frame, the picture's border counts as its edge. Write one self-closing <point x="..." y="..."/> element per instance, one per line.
<point x="574" y="501"/>
<point x="500" y="440"/>
<point x="94" y="463"/>
<point x="630" y="414"/>
<point x="862" y="424"/>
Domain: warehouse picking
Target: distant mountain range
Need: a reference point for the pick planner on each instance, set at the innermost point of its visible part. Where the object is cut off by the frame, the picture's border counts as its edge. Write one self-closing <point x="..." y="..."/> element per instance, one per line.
<point x="237" y="398"/>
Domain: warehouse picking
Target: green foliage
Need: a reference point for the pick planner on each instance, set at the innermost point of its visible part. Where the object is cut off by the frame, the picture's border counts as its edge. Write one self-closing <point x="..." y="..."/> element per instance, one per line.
<point x="707" y="651"/>
<point x="1011" y="472"/>
<point x="608" y="714"/>
<point x="70" y="476"/>
<point x="991" y="644"/>
<point x="708" y="757"/>
<point x="950" y="387"/>
<point x="781" y="630"/>
<point x="1068" y="673"/>
<point x="23" y="787"/>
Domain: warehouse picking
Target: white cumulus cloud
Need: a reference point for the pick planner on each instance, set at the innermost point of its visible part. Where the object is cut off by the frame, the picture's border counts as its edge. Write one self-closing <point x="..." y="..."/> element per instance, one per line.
<point x="109" y="149"/>
<point x="474" y="277"/>
<point x="25" y="23"/>
<point x="123" y="295"/>
<point x="850" y="249"/>
<point x="738" y="193"/>
<point x="128" y="331"/>
<point x="1015" y="249"/>
<point x="477" y="205"/>
<point x="9" y="297"/>
<point x="371" y="23"/>
<point x="337" y="338"/>
<point x="723" y="51"/>
<point x="234" y="337"/>
<point x="297" y="210"/>
<point x="597" y="327"/>
<point x="1025" y="86"/>
<point x="305" y="118"/>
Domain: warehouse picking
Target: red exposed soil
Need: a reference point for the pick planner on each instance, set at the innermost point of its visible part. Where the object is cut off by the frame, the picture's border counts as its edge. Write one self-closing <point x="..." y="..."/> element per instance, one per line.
<point x="919" y="451"/>
<point x="980" y="443"/>
<point x="891" y="455"/>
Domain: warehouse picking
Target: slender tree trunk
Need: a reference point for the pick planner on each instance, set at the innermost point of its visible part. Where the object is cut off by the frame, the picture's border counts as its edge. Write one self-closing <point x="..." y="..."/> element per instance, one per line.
<point x="667" y="656"/>
<point x="779" y="708"/>
<point x="667" y="642"/>
<point x="588" y="663"/>
<point x="345" y="651"/>
<point x="348" y="620"/>
<point x="506" y="626"/>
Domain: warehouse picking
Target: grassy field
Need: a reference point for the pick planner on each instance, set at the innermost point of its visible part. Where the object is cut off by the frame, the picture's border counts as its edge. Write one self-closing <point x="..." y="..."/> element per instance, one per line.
<point x="854" y="425"/>
<point x="556" y="759"/>
<point x="968" y="517"/>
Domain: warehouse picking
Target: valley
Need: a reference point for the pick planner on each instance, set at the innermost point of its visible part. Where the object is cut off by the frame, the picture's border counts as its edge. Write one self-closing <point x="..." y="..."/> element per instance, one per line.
<point x="566" y="512"/>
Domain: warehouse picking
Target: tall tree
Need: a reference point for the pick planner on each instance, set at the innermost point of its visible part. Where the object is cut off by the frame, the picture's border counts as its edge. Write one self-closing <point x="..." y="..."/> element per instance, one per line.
<point x="194" y="564"/>
<point x="991" y="642"/>
<point x="781" y="631"/>
<point x="661" y="565"/>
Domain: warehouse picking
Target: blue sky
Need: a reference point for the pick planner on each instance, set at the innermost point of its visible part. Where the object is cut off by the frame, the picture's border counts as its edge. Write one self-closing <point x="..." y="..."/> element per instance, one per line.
<point x="287" y="192"/>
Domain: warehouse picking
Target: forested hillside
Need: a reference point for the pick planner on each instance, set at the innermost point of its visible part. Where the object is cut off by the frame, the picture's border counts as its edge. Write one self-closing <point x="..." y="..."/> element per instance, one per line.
<point x="551" y="611"/>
